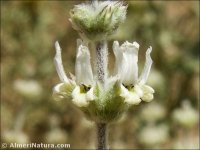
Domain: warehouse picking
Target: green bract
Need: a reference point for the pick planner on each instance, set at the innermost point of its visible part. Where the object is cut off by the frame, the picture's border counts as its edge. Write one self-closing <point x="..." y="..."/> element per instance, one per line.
<point x="97" y="20"/>
<point x="108" y="105"/>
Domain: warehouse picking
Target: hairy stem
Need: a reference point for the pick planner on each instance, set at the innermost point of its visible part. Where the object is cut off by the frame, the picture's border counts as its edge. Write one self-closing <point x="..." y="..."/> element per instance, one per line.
<point x="102" y="136"/>
<point x="101" y="60"/>
<point x="101" y="72"/>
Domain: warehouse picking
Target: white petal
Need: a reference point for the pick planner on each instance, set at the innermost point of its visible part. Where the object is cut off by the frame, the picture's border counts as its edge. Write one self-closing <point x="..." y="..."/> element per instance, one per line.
<point x="147" y="67"/>
<point x="79" y="98"/>
<point x="73" y="77"/>
<point x="59" y="65"/>
<point x="118" y="57"/>
<point x="116" y="49"/>
<point x="138" y="90"/>
<point x="124" y="91"/>
<point x="83" y="69"/>
<point x="147" y="89"/>
<point x="56" y="88"/>
<point x="126" y="61"/>
<point x="147" y="97"/>
<point x="57" y="94"/>
<point x="78" y="43"/>
<point x="131" y="98"/>
<point x="90" y="95"/>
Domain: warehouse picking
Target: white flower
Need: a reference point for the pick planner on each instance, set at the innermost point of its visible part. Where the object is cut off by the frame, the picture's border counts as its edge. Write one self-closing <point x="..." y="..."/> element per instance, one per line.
<point x="130" y="97"/>
<point x="186" y="116"/>
<point x="82" y="81"/>
<point x="153" y="136"/>
<point x="126" y="68"/>
<point x="56" y="135"/>
<point x="83" y="69"/>
<point x="153" y="112"/>
<point x="82" y="99"/>
<point x="19" y="137"/>
<point x="59" y="65"/>
<point x="28" y="88"/>
<point x="126" y="61"/>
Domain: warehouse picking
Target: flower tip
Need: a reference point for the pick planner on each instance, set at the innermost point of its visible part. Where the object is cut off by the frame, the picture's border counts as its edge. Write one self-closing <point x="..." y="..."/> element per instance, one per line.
<point x="115" y="44"/>
<point x="149" y="50"/>
<point x="136" y="45"/>
<point x="126" y="43"/>
<point x="82" y="51"/>
<point x="57" y="46"/>
<point x="79" y="42"/>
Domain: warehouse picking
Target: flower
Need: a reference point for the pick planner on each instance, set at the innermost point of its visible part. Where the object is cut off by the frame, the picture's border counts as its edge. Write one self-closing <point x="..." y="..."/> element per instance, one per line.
<point x="28" y="88"/>
<point x="56" y="135"/>
<point x="133" y="88"/>
<point x="186" y="116"/>
<point x="10" y="136"/>
<point x="105" y="102"/>
<point x="153" y="112"/>
<point x="97" y="20"/>
<point x="153" y="136"/>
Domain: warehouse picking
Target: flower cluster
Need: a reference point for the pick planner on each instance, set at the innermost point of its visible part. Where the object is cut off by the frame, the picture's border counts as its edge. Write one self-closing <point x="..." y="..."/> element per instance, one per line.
<point x="102" y="97"/>
<point x="105" y="102"/>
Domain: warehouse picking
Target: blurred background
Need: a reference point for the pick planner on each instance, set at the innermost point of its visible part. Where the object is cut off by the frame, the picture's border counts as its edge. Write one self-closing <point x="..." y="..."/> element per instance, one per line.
<point x="28" y="112"/>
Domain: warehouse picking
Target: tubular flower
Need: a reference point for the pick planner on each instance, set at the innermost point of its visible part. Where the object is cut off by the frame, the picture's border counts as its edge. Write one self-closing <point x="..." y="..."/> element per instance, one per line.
<point x="105" y="102"/>
<point x="133" y="89"/>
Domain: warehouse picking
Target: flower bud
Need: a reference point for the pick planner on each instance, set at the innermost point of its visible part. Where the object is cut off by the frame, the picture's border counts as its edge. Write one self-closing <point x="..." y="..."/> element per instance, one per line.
<point x="97" y="20"/>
